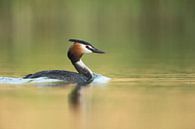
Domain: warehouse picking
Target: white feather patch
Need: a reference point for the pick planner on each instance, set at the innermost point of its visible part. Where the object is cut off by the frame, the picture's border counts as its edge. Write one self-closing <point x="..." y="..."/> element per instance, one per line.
<point x="85" y="50"/>
<point x="80" y="63"/>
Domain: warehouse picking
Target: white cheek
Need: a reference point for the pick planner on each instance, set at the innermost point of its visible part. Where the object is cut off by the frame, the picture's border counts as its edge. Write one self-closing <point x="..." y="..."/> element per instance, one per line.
<point x="85" y="50"/>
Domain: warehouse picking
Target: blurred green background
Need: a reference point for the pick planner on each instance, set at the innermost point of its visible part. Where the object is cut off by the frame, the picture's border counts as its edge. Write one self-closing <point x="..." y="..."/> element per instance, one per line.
<point x="139" y="36"/>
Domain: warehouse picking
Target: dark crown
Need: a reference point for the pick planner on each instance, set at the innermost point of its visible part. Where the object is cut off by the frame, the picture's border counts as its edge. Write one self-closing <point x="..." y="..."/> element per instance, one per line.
<point x="80" y="41"/>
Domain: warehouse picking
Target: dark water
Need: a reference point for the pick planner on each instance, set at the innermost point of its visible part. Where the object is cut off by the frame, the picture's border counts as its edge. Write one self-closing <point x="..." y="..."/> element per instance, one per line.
<point x="150" y="58"/>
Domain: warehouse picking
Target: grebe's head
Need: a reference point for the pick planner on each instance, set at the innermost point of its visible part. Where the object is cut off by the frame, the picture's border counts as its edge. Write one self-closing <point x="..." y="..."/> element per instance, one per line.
<point x="81" y="46"/>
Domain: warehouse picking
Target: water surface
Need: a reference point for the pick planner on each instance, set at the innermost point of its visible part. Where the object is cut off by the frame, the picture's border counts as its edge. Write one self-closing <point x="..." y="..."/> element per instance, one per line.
<point x="164" y="101"/>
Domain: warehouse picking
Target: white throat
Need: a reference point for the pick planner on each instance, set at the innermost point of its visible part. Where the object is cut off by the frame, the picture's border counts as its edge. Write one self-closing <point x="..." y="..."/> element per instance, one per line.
<point x="83" y="69"/>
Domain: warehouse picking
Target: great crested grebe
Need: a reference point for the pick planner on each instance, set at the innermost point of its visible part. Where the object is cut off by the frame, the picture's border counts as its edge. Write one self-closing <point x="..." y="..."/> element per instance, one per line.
<point x="75" y="52"/>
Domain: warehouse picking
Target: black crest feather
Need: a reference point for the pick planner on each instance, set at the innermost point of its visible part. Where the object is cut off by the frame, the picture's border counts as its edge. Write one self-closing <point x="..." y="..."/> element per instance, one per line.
<point x="80" y="41"/>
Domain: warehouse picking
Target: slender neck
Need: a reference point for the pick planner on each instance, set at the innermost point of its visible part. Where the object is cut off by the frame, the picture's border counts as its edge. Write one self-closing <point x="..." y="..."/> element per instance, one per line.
<point x="79" y="65"/>
<point x="83" y="69"/>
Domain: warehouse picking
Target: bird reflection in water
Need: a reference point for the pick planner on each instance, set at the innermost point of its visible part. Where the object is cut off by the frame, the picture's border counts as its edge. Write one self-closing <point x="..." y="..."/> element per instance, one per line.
<point x="74" y="98"/>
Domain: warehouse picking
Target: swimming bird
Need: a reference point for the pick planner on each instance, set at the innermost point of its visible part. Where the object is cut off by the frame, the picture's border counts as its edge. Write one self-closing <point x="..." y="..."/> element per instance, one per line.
<point x="83" y="76"/>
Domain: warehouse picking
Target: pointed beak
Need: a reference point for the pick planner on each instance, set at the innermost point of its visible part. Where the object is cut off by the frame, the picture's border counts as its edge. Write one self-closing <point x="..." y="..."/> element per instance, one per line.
<point x="95" y="50"/>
